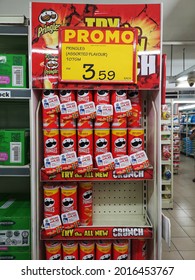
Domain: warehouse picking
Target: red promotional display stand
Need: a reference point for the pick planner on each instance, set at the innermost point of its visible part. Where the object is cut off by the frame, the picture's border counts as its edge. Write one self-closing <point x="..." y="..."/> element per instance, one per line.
<point x="95" y="118"/>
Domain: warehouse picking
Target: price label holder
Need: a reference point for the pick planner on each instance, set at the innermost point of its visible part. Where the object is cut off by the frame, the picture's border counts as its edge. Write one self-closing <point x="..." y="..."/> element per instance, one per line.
<point x="98" y="55"/>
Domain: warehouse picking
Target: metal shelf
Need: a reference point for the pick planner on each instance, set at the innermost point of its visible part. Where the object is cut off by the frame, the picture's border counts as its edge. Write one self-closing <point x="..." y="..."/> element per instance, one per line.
<point x="11" y="93"/>
<point x="16" y="171"/>
<point x="13" y="30"/>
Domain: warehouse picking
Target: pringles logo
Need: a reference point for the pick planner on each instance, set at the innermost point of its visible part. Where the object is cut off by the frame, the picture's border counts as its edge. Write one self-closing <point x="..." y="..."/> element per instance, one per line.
<point x="48" y="18"/>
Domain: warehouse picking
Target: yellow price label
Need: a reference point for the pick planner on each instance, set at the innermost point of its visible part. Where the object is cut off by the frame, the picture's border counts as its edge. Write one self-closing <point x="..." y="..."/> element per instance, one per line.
<point x="105" y="55"/>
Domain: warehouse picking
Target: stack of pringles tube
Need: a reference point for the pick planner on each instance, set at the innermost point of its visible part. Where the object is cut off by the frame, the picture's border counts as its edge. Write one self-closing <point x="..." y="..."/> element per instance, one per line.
<point x="135" y="249"/>
<point x="85" y="129"/>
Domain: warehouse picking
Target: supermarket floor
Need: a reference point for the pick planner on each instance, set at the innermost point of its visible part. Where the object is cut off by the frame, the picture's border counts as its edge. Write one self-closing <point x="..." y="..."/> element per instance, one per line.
<point x="182" y="216"/>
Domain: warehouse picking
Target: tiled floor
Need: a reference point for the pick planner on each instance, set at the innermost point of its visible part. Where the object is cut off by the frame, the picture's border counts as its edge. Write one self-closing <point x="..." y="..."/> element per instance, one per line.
<point x="182" y="216"/>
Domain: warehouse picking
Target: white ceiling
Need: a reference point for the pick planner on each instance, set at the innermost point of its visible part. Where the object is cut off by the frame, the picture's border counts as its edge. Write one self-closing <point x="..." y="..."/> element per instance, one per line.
<point x="178" y="15"/>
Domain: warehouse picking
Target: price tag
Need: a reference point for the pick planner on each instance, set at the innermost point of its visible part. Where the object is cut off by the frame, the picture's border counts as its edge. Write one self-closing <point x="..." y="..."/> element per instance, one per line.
<point x="101" y="55"/>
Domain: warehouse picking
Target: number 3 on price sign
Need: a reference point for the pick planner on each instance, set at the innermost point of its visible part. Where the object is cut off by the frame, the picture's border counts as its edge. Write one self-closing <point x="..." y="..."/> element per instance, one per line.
<point x="94" y="55"/>
<point x="102" y="74"/>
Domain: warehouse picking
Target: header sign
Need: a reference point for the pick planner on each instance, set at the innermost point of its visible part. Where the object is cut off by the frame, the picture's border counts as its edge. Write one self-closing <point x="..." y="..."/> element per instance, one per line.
<point x="98" y="55"/>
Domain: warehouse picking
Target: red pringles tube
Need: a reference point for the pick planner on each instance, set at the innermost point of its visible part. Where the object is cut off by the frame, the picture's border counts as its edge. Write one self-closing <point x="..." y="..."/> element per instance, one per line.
<point x="118" y="95"/>
<point x="135" y="140"/>
<point x="53" y="250"/>
<point x="135" y="118"/>
<point x="51" y="200"/>
<point x="119" y="142"/>
<point x="51" y="71"/>
<point x="50" y="121"/>
<point x="85" y="139"/>
<point x="101" y="138"/>
<point x="84" y="96"/>
<point x="85" y="203"/>
<point x="104" y="250"/>
<point x="87" y="250"/>
<point x="68" y="197"/>
<point x="68" y="140"/>
<point x="139" y="249"/>
<point x="51" y="140"/>
<point x="70" y="250"/>
<point x="101" y="97"/>
<point x="67" y="95"/>
<point x="121" y="250"/>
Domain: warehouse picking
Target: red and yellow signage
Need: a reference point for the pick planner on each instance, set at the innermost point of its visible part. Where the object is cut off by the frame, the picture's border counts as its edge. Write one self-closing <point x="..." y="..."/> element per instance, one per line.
<point x="98" y="55"/>
<point x="47" y="20"/>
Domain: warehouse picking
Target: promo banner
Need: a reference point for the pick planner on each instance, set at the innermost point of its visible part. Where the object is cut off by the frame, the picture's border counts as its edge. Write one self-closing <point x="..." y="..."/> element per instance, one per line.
<point x="48" y="18"/>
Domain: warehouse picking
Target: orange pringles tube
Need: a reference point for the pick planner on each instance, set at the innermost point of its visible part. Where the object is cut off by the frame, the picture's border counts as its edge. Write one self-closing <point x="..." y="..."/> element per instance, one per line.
<point x="85" y="203"/>
<point x="87" y="250"/>
<point x="103" y="250"/>
<point x="70" y="250"/>
<point x="53" y="250"/>
<point x="120" y="250"/>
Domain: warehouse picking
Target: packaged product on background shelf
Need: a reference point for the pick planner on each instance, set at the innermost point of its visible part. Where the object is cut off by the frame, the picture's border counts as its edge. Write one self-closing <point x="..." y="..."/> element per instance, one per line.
<point x="85" y="203"/>
<point x="122" y="165"/>
<point x="103" y="250"/>
<point x="135" y="139"/>
<point x="68" y="197"/>
<point x="87" y="250"/>
<point x="101" y="97"/>
<point x="139" y="249"/>
<point x="105" y="162"/>
<point x="165" y="112"/>
<point x="119" y="142"/>
<point x="53" y="250"/>
<point x="51" y="142"/>
<point x="166" y="152"/>
<point x="84" y="96"/>
<point x="166" y="172"/>
<point x="122" y="108"/>
<point x="14" y="147"/>
<point x="67" y="95"/>
<point x="51" y="200"/>
<point x="87" y="111"/>
<point x="70" y="250"/>
<point x="121" y="250"/>
<point x="13" y="71"/>
<point x="139" y="160"/>
<point x="69" y="110"/>
<point x="104" y="113"/>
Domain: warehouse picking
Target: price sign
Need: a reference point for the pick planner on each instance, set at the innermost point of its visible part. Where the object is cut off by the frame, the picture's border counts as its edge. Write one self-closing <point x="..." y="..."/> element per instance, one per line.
<point x="100" y="55"/>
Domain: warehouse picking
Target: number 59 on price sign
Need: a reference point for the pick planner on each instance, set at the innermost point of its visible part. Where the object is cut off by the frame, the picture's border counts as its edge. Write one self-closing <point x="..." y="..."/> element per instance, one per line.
<point x="101" y="55"/>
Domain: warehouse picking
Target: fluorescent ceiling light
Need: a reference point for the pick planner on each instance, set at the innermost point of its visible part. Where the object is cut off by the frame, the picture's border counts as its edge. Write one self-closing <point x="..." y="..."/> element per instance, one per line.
<point x="186" y="107"/>
<point x="8" y="19"/>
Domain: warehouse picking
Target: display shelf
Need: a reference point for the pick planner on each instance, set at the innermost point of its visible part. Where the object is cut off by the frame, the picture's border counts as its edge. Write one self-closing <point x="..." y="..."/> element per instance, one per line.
<point x="96" y="175"/>
<point x="13" y="30"/>
<point x="19" y="171"/>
